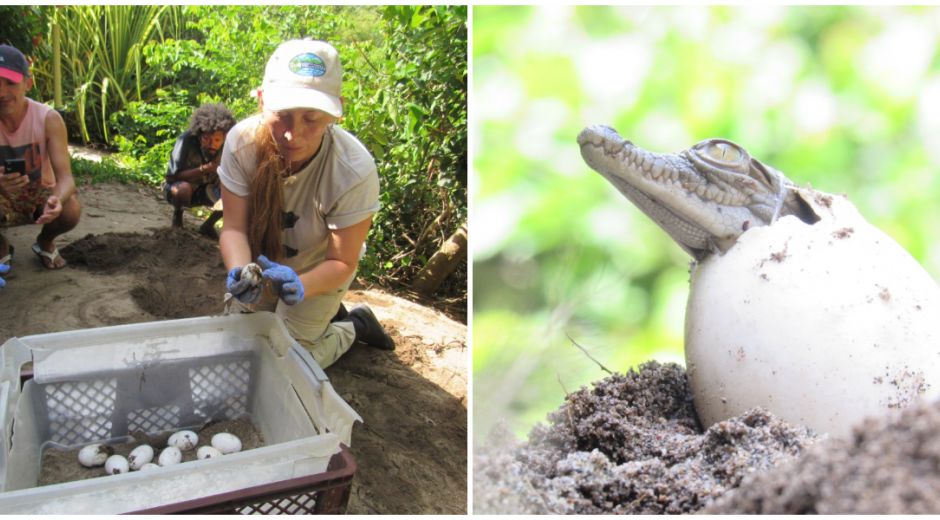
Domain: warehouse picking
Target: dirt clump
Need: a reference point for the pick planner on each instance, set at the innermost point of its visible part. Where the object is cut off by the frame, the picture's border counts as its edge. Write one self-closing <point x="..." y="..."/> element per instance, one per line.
<point x="890" y="465"/>
<point x="630" y="445"/>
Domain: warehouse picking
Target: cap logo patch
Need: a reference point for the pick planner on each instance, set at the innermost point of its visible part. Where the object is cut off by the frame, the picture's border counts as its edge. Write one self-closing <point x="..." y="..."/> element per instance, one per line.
<point x="307" y="64"/>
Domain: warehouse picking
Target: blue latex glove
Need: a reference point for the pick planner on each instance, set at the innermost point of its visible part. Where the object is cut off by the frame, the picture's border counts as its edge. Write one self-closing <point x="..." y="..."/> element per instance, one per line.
<point x="242" y="289"/>
<point x="4" y="269"/>
<point x="284" y="281"/>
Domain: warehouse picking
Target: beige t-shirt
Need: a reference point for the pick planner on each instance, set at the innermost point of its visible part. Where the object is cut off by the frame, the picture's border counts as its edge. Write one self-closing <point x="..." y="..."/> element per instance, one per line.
<point x="339" y="188"/>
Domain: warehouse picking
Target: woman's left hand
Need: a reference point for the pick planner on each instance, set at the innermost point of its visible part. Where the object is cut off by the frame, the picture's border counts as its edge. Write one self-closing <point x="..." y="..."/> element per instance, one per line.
<point x="284" y="280"/>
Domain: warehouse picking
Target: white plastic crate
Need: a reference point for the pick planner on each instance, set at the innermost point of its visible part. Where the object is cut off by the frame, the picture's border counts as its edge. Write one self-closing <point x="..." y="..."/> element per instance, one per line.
<point x="102" y="384"/>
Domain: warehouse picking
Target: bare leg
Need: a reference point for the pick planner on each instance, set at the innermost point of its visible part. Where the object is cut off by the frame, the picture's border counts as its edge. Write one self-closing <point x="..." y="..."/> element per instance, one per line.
<point x="67" y="220"/>
<point x="181" y="195"/>
<point x="208" y="227"/>
<point x="4" y="247"/>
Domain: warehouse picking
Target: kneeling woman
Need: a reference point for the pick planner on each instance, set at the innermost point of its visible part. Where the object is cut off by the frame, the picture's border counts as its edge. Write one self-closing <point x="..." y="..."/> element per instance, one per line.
<point x="299" y="194"/>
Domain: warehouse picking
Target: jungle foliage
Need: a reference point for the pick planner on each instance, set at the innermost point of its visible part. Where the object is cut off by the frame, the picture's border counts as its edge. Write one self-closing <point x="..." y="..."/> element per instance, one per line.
<point x="133" y="74"/>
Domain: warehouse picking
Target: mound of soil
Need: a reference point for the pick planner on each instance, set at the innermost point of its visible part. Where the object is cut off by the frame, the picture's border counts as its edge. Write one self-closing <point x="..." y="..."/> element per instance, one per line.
<point x="890" y="465"/>
<point x="632" y="444"/>
<point x="629" y="445"/>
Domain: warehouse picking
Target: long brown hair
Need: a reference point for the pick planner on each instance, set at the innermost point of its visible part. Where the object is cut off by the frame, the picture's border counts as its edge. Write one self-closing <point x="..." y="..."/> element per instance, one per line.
<point x="266" y="198"/>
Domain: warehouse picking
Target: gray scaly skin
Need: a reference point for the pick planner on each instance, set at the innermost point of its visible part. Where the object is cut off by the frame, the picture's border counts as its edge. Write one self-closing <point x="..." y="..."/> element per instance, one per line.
<point x="704" y="197"/>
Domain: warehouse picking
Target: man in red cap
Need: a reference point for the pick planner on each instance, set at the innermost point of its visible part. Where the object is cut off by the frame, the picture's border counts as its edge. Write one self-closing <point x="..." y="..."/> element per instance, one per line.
<point x="36" y="184"/>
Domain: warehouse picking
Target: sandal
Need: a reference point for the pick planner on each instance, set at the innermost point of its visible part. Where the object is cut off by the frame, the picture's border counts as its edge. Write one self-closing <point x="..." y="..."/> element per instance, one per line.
<point x="51" y="257"/>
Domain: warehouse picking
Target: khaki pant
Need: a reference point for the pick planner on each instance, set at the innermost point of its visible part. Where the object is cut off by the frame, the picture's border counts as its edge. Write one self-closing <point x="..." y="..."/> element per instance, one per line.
<point x="309" y="323"/>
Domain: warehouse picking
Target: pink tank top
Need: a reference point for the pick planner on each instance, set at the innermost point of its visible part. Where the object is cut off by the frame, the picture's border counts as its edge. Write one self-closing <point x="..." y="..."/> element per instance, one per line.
<point x="29" y="142"/>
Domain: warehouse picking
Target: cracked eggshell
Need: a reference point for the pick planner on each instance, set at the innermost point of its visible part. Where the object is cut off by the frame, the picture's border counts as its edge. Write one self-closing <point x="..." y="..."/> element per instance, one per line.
<point x="116" y="464"/>
<point x="185" y="440"/>
<point x="226" y="443"/>
<point x="139" y="456"/>
<point x="169" y="456"/>
<point x="821" y="324"/>
<point x="94" y="455"/>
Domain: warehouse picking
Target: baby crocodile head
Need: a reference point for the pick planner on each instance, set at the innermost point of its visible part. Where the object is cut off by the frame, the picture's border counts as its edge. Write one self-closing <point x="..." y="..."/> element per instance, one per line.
<point x="704" y="197"/>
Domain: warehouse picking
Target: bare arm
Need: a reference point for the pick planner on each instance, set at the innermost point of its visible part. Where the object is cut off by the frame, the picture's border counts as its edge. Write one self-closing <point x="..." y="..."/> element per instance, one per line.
<point x="233" y="241"/>
<point x="342" y="257"/>
<point x="57" y="145"/>
<point x="58" y="150"/>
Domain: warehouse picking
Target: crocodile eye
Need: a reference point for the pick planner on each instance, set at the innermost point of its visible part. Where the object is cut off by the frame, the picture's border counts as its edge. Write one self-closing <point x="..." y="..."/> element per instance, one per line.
<point x="722" y="154"/>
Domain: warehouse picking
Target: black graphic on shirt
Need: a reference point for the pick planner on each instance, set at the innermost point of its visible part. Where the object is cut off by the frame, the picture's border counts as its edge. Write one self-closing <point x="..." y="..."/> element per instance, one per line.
<point x="289" y="219"/>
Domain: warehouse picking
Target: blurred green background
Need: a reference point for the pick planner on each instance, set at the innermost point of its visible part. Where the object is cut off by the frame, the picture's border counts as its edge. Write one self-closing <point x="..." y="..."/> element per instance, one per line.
<point x="844" y="98"/>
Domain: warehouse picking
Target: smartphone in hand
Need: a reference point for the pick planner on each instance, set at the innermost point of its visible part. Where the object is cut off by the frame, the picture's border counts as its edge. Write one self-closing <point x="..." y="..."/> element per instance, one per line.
<point x="18" y="165"/>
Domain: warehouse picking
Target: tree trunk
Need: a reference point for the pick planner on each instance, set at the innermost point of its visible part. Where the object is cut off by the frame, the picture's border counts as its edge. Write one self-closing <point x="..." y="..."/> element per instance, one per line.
<point x="444" y="261"/>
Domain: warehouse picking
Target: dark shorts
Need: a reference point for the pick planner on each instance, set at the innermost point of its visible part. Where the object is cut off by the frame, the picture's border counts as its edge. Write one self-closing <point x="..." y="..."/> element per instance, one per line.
<point x="202" y="196"/>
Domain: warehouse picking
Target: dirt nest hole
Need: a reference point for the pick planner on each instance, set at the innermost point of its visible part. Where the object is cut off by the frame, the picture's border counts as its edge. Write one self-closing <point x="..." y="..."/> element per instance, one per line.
<point x="164" y="265"/>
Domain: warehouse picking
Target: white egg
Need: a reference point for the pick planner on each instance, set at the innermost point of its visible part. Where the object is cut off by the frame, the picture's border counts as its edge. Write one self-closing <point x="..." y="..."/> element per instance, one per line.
<point x="116" y="464"/>
<point x="226" y="443"/>
<point x="822" y="324"/>
<point x="139" y="456"/>
<point x="149" y="466"/>
<point x="94" y="455"/>
<point x="184" y="440"/>
<point x="207" y="452"/>
<point x="170" y="456"/>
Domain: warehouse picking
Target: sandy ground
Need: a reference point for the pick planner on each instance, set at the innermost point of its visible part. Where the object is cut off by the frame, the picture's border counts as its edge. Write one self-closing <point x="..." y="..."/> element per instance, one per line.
<point x="632" y="444"/>
<point x="127" y="266"/>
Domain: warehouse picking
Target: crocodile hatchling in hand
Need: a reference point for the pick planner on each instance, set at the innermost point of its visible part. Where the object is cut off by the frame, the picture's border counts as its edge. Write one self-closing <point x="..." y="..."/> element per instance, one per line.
<point x="252" y="273"/>
<point x="797" y="304"/>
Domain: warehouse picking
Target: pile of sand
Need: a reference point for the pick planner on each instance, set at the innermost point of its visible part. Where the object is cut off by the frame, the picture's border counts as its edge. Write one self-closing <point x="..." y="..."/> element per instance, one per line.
<point x="632" y="444"/>
<point x="890" y="465"/>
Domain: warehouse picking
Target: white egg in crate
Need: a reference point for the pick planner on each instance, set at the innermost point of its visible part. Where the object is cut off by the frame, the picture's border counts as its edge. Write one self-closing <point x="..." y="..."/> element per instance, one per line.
<point x="94" y="455"/>
<point x="139" y="456"/>
<point x="169" y="456"/>
<point x="185" y="440"/>
<point x="115" y="465"/>
<point x="226" y="443"/>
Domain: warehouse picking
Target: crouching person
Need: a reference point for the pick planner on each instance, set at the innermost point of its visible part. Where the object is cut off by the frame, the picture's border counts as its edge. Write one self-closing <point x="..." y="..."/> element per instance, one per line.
<point x="36" y="183"/>
<point x="192" y="173"/>
<point x="299" y="195"/>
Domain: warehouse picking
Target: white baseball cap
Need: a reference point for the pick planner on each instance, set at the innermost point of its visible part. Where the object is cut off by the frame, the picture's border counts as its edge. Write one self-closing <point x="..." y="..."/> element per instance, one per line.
<point x="303" y="74"/>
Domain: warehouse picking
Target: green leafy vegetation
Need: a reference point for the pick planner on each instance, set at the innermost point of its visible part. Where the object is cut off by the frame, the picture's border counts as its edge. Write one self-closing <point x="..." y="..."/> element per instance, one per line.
<point x="844" y="98"/>
<point x="132" y="75"/>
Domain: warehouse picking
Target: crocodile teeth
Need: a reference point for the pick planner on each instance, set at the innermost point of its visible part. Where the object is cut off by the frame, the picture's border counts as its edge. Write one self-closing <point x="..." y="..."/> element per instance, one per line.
<point x="658" y="167"/>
